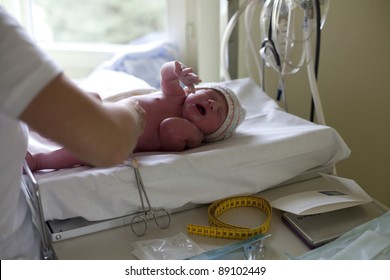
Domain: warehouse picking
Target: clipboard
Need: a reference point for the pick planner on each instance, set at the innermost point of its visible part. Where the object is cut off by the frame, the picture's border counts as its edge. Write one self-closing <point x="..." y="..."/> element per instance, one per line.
<point x="319" y="229"/>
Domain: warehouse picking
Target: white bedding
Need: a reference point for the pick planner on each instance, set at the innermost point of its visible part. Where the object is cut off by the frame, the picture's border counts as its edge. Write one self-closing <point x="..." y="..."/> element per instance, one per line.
<point x="270" y="147"/>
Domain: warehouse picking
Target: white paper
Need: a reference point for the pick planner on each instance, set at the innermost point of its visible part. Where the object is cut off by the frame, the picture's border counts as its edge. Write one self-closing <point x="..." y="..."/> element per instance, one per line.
<point x="317" y="196"/>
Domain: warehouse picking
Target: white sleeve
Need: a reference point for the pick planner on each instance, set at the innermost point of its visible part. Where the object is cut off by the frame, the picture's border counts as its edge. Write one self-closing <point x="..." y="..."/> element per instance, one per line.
<point x="25" y="69"/>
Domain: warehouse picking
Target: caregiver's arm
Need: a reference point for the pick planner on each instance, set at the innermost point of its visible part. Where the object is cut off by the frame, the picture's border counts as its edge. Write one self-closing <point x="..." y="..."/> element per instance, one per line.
<point x="100" y="134"/>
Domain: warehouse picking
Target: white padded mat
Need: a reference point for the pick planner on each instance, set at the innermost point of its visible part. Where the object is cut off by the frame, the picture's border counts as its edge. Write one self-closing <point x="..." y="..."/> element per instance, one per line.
<point x="270" y="147"/>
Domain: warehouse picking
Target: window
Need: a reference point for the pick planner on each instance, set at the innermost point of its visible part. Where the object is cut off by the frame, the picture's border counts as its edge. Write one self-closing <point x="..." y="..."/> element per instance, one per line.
<point x="81" y="34"/>
<point x="92" y="31"/>
<point x="96" y="21"/>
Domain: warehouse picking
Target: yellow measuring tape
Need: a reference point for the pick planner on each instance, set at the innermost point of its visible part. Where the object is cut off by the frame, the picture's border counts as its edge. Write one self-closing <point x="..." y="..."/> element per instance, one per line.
<point x="221" y="229"/>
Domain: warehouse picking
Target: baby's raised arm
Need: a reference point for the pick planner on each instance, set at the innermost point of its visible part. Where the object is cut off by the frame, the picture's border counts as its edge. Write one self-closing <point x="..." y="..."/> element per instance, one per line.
<point x="174" y="72"/>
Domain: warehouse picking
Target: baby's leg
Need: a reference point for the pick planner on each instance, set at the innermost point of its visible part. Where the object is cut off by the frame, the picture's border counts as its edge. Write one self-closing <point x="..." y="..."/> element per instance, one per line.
<point x="57" y="159"/>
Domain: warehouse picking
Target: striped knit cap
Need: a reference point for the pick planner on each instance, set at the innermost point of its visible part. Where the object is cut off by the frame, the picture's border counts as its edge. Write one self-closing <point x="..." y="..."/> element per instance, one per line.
<point x="235" y="114"/>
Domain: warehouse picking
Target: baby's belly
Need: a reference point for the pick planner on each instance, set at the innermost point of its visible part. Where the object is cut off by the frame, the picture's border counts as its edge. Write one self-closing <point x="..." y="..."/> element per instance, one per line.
<point x="148" y="142"/>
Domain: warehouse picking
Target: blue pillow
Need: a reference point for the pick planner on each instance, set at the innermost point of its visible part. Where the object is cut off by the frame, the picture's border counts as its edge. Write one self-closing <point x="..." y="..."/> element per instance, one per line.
<point x="143" y="61"/>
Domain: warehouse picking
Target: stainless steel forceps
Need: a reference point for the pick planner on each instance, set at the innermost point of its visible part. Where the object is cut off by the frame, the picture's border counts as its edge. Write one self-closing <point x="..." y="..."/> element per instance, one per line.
<point x="161" y="216"/>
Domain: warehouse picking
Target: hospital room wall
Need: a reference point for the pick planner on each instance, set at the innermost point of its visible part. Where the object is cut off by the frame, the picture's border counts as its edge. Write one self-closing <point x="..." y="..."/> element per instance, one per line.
<point x="355" y="89"/>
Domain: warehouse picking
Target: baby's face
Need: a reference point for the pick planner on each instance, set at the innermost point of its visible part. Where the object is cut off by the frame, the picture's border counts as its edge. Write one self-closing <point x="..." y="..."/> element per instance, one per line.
<point x="206" y="108"/>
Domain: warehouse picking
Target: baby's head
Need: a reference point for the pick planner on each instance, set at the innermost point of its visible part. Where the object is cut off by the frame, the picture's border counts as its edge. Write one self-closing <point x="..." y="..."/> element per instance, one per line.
<point x="234" y="117"/>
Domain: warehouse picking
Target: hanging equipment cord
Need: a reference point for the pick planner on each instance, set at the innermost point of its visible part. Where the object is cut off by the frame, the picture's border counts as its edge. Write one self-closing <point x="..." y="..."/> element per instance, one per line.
<point x="317" y="53"/>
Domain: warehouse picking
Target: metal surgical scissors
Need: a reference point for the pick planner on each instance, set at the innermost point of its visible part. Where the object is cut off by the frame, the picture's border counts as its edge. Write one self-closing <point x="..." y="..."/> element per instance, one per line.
<point x="161" y="216"/>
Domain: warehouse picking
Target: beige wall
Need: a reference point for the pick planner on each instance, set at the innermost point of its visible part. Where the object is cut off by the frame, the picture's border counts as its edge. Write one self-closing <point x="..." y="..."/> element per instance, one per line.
<point x="354" y="85"/>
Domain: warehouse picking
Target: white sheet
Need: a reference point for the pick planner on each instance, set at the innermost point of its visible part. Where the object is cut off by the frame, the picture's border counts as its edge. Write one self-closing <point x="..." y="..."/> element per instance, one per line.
<point x="271" y="146"/>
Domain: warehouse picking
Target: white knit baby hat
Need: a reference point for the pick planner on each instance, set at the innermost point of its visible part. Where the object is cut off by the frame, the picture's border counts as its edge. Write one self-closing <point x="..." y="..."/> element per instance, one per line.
<point x="235" y="114"/>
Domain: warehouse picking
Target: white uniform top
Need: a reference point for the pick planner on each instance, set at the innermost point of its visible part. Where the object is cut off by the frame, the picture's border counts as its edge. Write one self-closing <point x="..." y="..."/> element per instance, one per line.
<point x="24" y="71"/>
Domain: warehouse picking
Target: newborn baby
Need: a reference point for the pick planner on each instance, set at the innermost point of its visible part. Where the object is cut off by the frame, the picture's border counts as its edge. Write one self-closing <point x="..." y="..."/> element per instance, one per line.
<point x="177" y="118"/>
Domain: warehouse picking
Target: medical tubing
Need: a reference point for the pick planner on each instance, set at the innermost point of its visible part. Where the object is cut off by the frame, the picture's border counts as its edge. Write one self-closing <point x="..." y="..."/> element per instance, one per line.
<point x="323" y="13"/>
<point x="313" y="85"/>
<point x="280" y="36"/>
<point x="281" y="88"/>
<point x="264" y="18"/>
<point x="269" y="44"/>
<point x="288" y="32"/>
<point x="248" y="24"/>
<point x="225" y="38"/>
<point x="273" y="29"/>
<point x="280" y="28"/>
<point x="281" y="94"/>
<point x="289" y="42"/>
<point x="317" y="54"/>
<point x="318" y="37"/>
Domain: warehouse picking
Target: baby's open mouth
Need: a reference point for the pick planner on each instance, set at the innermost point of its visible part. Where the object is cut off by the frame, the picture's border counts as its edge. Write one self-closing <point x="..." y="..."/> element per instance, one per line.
<point x="201" y="109"/>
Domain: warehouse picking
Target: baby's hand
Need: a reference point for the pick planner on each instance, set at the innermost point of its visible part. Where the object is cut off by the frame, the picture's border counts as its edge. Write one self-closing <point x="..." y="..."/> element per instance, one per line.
<point x="186" y="76"/>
